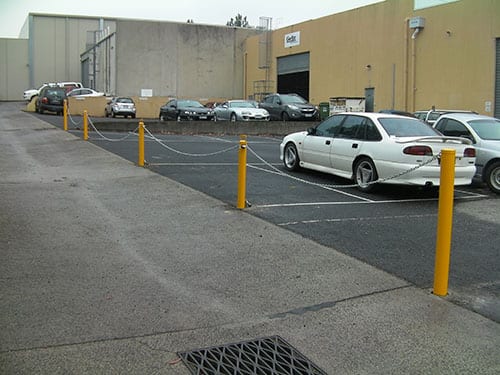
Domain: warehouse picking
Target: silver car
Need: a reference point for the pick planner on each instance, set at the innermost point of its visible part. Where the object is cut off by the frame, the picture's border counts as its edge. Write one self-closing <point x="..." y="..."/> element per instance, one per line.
<point x="484" y="132"/>
<point x="240" y="110"/>
<point x="120" y="106"/>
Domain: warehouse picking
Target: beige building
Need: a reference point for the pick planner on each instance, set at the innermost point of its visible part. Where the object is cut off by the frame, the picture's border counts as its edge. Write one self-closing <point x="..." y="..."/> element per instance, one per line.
<point x="399" y="54"/>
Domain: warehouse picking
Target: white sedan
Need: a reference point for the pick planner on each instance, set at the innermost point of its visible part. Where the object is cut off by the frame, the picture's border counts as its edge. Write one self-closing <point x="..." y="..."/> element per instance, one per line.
<point x="84" y="92"/>
<point x="370" y="147"/>
<point x="240" y="110"/>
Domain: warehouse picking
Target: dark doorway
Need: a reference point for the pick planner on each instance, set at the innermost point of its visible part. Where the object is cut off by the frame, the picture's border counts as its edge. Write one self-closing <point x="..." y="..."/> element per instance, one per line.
<point x="369" y="99"/>
<point x="297" y="83"/>
<point x="497" y="80"/>
<point x="85" y="72"/>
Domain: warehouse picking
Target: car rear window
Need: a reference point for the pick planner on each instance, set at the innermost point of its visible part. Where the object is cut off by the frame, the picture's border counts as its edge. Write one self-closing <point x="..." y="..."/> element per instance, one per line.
<point x="55" y="91"/>
<point x="124" y="100"/>
<point x="407" y="127"/>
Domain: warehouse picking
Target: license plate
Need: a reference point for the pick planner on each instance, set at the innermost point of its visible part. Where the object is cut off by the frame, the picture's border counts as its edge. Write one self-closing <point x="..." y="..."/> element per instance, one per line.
<point x="308" y="115"/>
<point x="203" y="117"/>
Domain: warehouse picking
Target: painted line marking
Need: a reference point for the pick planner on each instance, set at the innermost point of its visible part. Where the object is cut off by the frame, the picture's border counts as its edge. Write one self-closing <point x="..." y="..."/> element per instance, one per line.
<point x="203" y="164"/>
<point x="305" y="204"/>
<point x="340" y="220"/>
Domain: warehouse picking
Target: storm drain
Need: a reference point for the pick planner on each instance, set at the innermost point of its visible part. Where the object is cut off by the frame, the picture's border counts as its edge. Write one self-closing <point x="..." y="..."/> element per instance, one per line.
<point x="269" y="355"/>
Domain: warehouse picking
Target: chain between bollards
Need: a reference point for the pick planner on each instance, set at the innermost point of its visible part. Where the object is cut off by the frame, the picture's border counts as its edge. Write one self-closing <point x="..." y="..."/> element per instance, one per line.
<point x="242" y="173"/>
<point x="444" y="226"/>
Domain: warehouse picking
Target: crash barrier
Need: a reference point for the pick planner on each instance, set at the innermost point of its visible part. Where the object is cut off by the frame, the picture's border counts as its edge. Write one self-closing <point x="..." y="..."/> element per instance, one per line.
<point x="446" y="189"/>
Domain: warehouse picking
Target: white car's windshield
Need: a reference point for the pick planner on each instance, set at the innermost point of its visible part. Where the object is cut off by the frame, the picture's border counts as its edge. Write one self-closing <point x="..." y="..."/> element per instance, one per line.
<point x="241" y="105"/>
<point x="402" y="127"/>
<point x="486" y="129"/>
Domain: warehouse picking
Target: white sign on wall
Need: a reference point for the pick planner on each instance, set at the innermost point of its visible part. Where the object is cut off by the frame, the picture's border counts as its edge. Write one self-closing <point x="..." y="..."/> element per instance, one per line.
<point x="292" y="39"/>
<point x="146" y="92"/>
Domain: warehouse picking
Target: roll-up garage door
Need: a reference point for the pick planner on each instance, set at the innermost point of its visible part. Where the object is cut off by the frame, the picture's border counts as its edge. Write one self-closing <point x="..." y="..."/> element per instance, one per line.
<point x="293" y="74"/>
<point x="497" y="81"/>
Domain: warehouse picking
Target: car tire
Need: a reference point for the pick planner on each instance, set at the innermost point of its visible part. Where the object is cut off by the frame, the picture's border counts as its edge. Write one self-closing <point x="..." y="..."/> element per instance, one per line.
<point x="133" y="116"/>
<point x="113" y="114"/>
<point x="364" y="174"/>
<point x="291" y="158"/>
<point x="493" y="177"/>
<point x="233" y="117"/>
<point x="285" y="116"/>
<point x="162" y="117"/>
<point x="179" y="118"/>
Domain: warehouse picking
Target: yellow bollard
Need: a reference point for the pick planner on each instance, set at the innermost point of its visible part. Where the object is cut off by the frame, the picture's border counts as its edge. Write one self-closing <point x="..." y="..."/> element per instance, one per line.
<point x="444" y="225"/>
<point x="85" y="126"/>
<point x="140" y="161"/>
<point x="65" y="115"/>
<point x="242" y="173"/>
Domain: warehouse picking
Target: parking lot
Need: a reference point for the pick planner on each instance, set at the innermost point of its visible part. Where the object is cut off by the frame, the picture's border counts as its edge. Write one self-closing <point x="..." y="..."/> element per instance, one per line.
<point x="393" y="228"/>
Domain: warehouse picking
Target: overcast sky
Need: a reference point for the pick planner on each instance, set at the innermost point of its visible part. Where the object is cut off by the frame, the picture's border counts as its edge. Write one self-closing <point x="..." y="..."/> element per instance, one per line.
<point x="13" y="13"/>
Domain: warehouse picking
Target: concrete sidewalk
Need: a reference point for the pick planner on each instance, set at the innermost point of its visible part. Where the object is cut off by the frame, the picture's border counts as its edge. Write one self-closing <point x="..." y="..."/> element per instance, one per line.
<point x="108" y="268"/>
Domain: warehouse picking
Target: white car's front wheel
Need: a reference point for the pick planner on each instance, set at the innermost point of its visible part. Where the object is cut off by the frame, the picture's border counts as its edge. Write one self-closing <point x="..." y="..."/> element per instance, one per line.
<point x="365" y="174"/>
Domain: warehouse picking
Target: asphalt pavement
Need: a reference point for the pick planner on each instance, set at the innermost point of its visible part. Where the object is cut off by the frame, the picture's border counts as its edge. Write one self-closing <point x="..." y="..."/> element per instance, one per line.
<point x="110" y="268"/>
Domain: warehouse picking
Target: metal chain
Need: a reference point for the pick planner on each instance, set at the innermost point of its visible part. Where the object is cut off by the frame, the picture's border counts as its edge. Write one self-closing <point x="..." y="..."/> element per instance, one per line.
<point x="112" y="139"/>
<point x="71" y="119"/>
<point x="343" y="186"/>
<point x="151" y="136"/>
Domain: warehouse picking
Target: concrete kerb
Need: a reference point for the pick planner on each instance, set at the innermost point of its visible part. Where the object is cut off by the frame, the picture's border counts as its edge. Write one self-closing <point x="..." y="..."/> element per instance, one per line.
<point x="273" y="128"/>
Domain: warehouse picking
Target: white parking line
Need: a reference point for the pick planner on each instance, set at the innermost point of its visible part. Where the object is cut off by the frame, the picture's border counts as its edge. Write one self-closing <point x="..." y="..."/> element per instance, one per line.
<point x="305" y="204"/>
<point x="346" y="219"/>
<point x="206" y="164"/>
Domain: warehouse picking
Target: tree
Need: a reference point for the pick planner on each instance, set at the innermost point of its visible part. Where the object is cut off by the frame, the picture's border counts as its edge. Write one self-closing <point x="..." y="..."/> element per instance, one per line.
<point x="238" y="21"/>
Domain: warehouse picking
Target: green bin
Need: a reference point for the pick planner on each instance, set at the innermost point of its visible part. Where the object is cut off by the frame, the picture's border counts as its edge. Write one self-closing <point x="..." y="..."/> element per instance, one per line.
<point x="324" y="110"/>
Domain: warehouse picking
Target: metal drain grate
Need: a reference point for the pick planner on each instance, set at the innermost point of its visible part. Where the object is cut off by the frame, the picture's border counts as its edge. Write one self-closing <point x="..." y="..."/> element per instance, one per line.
<point x="269" y="355"/>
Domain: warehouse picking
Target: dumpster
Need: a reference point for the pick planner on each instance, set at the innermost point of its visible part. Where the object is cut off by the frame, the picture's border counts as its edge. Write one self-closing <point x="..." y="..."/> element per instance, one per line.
<point x="324" y="110"/>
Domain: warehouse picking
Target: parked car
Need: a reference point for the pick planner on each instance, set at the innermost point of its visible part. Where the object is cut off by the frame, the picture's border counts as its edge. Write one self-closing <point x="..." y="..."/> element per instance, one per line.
<point x="484" y="132"/>
<point x="430" y="116"/>
<point x="84" y="92"/>
<point x="240" y="110"/>
<point x="120" y="106"/>
<point x="368" y="147"/>
<point x="397" y="112"/>
<point x="51" y="99"/>
<point x="185" y="109"/>
<point x="287" y="107"/>
<point x="31" y="93"/>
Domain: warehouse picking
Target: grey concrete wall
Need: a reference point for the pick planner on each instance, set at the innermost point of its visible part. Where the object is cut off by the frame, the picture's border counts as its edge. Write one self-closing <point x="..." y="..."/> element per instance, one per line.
<point x="180" y="60"/>
<point x="13" y="68"/>
<point x="57" y="43"/>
